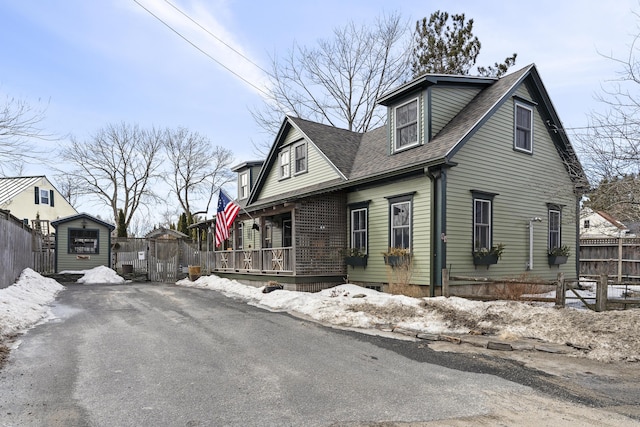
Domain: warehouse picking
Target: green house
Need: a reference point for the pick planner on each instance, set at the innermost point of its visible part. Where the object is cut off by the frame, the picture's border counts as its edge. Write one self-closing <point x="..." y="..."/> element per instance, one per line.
<point x="463" y="165"/>
<point x="82" y="242"/>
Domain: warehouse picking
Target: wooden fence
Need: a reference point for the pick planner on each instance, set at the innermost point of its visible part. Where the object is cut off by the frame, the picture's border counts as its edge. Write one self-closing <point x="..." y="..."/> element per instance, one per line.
<point x="615" y="257"/>
<point x="21" y="248"/>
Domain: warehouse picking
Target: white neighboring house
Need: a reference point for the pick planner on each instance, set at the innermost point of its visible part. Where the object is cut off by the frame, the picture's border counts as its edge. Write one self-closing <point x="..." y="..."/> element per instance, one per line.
<point x="599" y="224"/>
<point x="30" y="196"/>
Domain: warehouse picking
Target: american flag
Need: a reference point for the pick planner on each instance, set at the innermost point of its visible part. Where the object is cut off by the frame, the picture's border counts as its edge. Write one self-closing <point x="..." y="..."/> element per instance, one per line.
<point x="227" y="212"/>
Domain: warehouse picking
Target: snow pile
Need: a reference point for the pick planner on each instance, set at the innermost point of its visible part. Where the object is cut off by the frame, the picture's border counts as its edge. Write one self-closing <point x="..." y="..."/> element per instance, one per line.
<point x="25" y="303"/>
<point x="610" y="336"/>
<point x="97" y="275"/>
<point x="100" y="274"/>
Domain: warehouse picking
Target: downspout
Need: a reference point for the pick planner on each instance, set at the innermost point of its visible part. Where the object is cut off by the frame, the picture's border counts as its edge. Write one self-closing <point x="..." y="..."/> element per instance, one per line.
<point x="438" y="226"/>
<point x="531" y="221"/>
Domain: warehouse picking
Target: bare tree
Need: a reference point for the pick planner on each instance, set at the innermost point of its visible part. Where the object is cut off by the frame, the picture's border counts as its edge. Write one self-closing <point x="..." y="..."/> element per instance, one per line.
<point x="117" y="166"/>
<point x="339" y="81"/>
<point x="610" y="146"/>
<point x="69" y="187"/>
<point x="19" y="124"/>
<point x="197" y="169"/>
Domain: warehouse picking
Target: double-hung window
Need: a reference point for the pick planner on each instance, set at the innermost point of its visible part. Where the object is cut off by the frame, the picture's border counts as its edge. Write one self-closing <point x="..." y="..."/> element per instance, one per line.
<point x="400" y="222"/>
<point x="240" y="236"/>
<point x="359" y="230"/>
<point x="300" y="152"/>
<point x="284" y="164"/>
<point x="244" y="185"/>
<point x="555" y="220"/>
<point x="482" y="220"/>
<point x="406" y="125"/>
<point x="523" y="128"/>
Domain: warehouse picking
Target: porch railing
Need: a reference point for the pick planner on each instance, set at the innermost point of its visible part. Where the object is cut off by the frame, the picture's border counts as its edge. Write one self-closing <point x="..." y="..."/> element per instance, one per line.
<point x="270" y="260"/>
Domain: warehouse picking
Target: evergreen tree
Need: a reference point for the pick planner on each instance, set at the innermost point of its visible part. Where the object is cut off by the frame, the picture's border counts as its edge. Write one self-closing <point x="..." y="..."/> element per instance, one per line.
<point x="121" y="230"/>
<point x="444" y="47"/>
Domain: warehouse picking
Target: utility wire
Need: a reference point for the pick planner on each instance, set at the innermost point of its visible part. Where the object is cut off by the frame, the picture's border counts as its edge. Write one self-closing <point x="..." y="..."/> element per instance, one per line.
<point x="217" y="38"/>
<point x="203" y="52"/>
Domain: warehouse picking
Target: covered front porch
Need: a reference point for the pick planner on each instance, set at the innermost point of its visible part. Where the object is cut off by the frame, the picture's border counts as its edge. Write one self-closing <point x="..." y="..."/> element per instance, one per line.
<point x="295" y="243"/>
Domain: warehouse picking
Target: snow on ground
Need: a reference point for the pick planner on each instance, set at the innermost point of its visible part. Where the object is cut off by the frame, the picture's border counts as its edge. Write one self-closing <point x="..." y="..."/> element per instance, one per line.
<point x="25" y="303"/>
<point x="611" y="336"/>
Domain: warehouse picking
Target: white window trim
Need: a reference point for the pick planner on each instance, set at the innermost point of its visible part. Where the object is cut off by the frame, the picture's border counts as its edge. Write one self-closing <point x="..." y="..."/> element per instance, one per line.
<point x="244" y="185"/>
<point x="558" y="231"/>
<point x="475" y="224"/>
<point x="392" y="227"/>
<point x="396" y="148"/>
<point x="365" y="230"/>
<point x="306" y="157"/>
<point x="515" y="127"/>
<point x="284" y="169"/>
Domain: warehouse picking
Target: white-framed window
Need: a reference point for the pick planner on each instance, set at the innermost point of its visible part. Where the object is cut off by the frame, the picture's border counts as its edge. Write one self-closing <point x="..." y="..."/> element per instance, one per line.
<point x="300" y="153"/>
<point x="240" y="236"/>
<point x="555" y="221"/>
<point x="401" y="224"/>
<point x="406" y="125"/>
<point x="482" y="220"/>
<point x="44" y="197"/>
<point x="244" y="185"/>
<point x="523" y="139"/>
<point x="284" y="164"/>
<point x="359" y="229"/>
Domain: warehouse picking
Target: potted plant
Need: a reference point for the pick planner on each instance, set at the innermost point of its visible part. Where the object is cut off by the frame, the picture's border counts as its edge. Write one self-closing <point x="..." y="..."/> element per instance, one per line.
<point x="484" y="256"/>
<point x="397" y="256"/>
<point x="559" y="255"/>
<point x="355" y="257"/>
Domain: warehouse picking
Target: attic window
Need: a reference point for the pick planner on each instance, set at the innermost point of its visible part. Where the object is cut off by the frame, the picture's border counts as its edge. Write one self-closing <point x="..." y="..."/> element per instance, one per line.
<point x="406" y="125"/>
<point x="523" y="128"/>
<point x="284" y="164"/>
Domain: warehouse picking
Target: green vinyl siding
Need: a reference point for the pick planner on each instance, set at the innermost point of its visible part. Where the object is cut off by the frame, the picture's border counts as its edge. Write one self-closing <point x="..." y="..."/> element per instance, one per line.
<point x="319" y="170"/>
<point x="67" y="261"/>
<point x="523" y="183"/>
<point x="446" y="102"/>
<point x="378" y="229"/>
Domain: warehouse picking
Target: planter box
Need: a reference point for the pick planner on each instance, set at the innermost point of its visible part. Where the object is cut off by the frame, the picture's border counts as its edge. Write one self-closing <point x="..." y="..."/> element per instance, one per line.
<point x="356" y="261"/>
<point x="485" y="260"/>
<point x="557" y="259"/>
<point x="397" y="260"/>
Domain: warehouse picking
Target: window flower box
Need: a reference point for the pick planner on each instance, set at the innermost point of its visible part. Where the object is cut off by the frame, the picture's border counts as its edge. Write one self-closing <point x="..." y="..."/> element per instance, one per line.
<point x="356" y="261"/>
<point x="396" y="257"/>
<point x="557" y="259"/>
<point x="559" y="255"/>
<point x="484" y="256"/>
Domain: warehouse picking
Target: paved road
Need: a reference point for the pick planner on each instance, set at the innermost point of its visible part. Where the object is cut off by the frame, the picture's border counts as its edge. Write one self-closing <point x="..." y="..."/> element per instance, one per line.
<point x="159" y="355"/>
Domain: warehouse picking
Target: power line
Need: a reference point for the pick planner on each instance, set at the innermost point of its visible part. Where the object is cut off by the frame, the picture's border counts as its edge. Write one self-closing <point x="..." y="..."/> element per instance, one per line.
<point x="217" y="38"/>
<point x="203" y="52"/>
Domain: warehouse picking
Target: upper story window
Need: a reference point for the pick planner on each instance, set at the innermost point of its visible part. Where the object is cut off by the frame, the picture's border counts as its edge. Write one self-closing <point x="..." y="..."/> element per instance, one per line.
<point x="240" y="236"/>
<point x="406" y="125"/>
<point x="43" y="197"/>
<point x="586" y="223"/>
<point x="244" y="185"/>
<point x="83" y="241"/>
<point x="284" y="164"/>
<point x="300" y="151"/>
<point x="523" y="128"/>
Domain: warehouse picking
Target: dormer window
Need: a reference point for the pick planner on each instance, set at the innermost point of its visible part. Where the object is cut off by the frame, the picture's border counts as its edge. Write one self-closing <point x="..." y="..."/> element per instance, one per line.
<point x="244" y="185"/>
<point x="406" y="125"/>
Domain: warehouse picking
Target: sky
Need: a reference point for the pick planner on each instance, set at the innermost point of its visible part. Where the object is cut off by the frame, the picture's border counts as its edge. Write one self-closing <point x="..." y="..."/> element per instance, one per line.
<point x="90" y="64"/>
<point x="611" y="336"/>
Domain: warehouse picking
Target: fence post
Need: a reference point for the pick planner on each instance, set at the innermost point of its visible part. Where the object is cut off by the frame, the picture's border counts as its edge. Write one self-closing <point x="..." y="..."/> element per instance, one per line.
<point x="619" y="259"/>
<point x="601" y="293"/>
<point x="445" y="282"/>
<point x="560" y="291"/>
